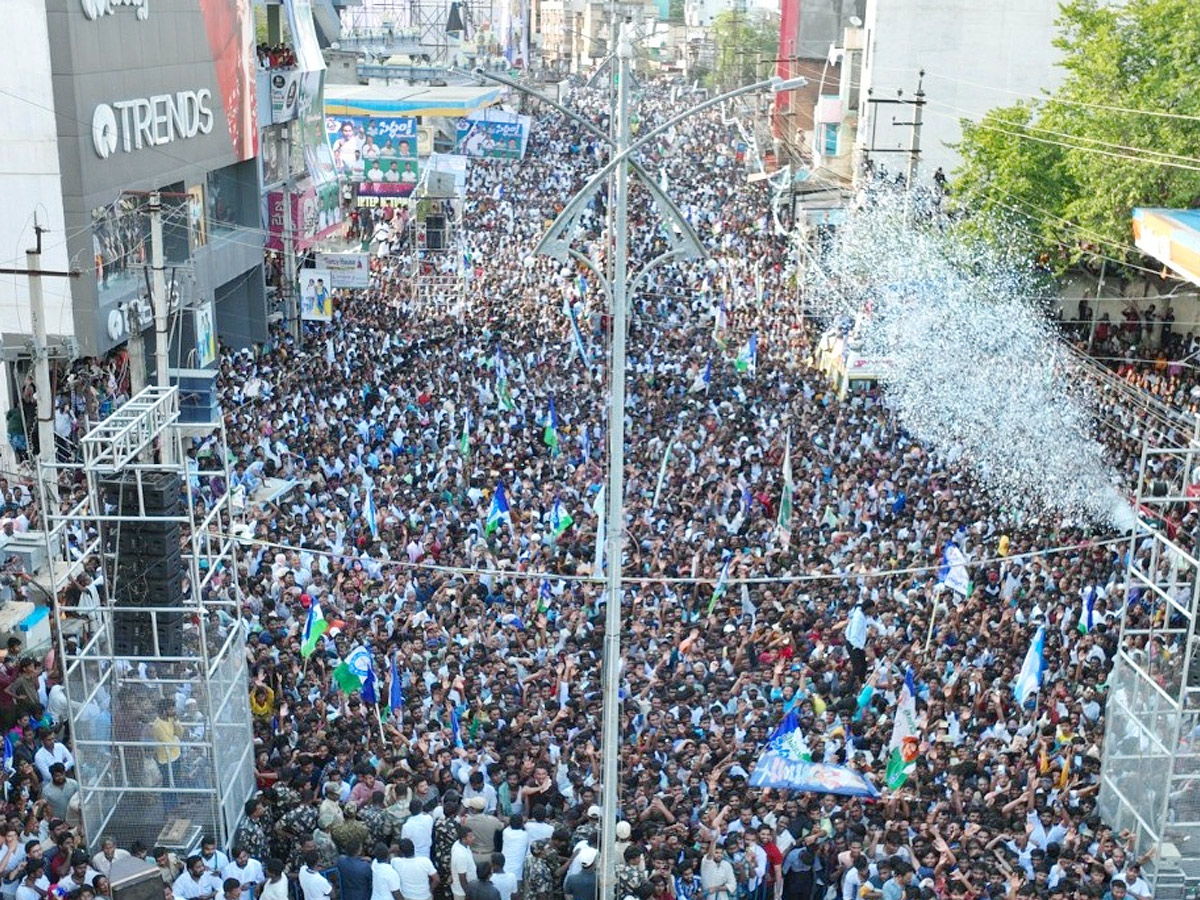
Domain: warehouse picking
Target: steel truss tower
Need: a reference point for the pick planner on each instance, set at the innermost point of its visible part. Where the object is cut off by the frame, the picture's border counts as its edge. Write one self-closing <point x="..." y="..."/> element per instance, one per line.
<point x="1150" y="771"/>
<point x="155" y="672"/>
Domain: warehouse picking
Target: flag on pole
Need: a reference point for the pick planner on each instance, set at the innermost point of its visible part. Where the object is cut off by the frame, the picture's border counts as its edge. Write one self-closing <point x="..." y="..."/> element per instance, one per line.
<point x="1087" y="617"/>
<point x="369" y="513"/>
<point x="577" y="335"/>
<point x="598" y="508"/>
<point x="550" y="435"/>
<point x="953" y="570"/>
<point x="455" y="728"/>
<point x="902" y="755"/>
<point x="720" y="324"/>
<point x="8" y="754"/>
<point x="786" y="498"/>
<point x="353" y="671"/>
<point x="560" y="519"/>
<point x="722" y="583"/>
<point x="1029" y="679"/>
<point x="499" y="511"/>
<point x="464" y="442"/>
<point x="395" y="688"/>
<point x="747" y="360"/>
<point x="506" y="400"/>
<point x="314" y="627"/>
<point x="368" y="687"/>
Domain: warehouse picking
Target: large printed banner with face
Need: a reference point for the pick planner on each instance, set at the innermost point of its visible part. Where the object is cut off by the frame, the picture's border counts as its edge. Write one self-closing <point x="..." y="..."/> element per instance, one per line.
<point x="485" y="139"/>
<point x="378" y="153"/>
<point x="316" y="215"/>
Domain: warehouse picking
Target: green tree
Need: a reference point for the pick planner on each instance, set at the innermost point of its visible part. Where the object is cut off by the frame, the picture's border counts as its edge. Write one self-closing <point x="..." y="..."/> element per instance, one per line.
<point x="745" y="43"/>
<point x="1123" y="130"/>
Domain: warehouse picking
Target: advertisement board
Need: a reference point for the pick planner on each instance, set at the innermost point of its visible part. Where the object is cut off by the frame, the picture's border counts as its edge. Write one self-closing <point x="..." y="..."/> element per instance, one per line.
<point x="346" y="270"/>
<point x="316" y="295"/>
<point x="316" y="215"/>
<point x="179" y="90"/>
<point x="485" y="139"/>
<point x="285" y="95"/>
<point x="377" y="153"/>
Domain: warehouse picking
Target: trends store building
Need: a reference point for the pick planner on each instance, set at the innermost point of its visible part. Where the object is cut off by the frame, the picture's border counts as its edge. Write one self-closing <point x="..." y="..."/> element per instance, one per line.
<point x="159" y="96"/>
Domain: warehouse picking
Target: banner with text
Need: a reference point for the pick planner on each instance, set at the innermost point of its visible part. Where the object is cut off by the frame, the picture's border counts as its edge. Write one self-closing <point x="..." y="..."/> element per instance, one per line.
<point x="489" y="139"/>
<point x="377" y="153"/>
<point x="346" y="270"/>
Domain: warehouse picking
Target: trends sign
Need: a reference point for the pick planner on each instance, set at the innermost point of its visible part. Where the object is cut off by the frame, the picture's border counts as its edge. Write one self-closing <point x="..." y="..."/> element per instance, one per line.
<point x="150" y="122"/>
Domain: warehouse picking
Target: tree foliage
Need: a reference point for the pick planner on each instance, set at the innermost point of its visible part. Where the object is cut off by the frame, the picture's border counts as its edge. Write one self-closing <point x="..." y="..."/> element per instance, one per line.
<point x="745" y="43"/>
<point x="1122" y="130"/>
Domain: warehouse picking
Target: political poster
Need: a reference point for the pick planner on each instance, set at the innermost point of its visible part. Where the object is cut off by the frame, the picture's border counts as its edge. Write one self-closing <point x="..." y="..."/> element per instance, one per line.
<point x="490" y="139"/>
<point x="311" y="115"/>
<point x="377" y="153"/>
<point x="347" y="270"/>
<point x="206" y="337"/>
<point x="316" y="295"/>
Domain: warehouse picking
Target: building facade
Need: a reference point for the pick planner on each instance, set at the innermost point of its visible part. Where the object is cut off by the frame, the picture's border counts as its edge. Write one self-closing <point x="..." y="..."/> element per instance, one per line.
<point x="975" y="57"/>
<point x="155" y="96"/>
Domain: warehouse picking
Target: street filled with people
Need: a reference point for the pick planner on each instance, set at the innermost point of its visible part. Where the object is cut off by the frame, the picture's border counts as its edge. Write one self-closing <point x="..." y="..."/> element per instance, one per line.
<point x="449" y="455"/>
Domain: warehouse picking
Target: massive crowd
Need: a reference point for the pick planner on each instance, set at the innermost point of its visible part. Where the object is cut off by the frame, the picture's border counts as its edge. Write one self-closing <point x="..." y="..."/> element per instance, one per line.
<point x="483" y="782"/>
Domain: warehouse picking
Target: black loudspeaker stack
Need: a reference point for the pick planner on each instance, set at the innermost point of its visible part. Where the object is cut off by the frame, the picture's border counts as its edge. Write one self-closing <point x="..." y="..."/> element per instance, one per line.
<point x="148" y="569"/>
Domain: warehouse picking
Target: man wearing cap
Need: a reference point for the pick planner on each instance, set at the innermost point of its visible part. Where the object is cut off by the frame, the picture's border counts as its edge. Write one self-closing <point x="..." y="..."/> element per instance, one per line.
<point x="487" y="828"/>
<point x="583" y="884"/>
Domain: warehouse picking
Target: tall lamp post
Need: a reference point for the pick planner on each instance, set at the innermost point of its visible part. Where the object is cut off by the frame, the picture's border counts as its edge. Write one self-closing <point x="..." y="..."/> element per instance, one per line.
<point x="555" y="243"/>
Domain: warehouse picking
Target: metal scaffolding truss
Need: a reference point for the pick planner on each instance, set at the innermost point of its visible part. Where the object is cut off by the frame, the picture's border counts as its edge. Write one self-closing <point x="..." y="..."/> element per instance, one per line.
<point x="118" y="440"/>
<point x="1150" y="772"/>
<point x="142" y="775"/>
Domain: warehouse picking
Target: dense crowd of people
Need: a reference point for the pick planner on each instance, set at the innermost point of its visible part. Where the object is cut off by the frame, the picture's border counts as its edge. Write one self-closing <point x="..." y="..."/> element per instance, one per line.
<point x="476" y="775"/>
<point x="276" y="56"/>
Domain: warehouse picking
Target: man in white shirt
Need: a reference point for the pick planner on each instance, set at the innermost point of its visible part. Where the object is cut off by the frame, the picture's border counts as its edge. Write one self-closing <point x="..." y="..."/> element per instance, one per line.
<point x="214" y="860"/>
<point x="247" y="870"/>
<point x="313" y="884"/>
<point x="276" y="886"/>
<point x="503" y="881"/>
<point x="716" y="874"/>
<point x="51" y="752"/>
<point x="195" y="882"/>
<point x="109" y="854"/>
<point x="462" y="863"/>
<point x="856" y="638"/>
<point x="385" y="880"/>
<point x="418" y="876"/>
<point x="419" y="829"/>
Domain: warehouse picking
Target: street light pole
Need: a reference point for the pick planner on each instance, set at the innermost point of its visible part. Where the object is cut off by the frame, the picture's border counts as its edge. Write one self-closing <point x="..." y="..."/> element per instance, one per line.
<point x="610" y="742"/>
<point x="556" y="244"/>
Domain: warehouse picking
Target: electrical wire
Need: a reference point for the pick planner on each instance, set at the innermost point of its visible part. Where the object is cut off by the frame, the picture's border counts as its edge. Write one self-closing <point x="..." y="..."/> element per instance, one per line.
<point x="1070" y="135"/>
<point x="519" y="575"/>
<point x="1042" y="98"/>
<point x="1154" y="162"/>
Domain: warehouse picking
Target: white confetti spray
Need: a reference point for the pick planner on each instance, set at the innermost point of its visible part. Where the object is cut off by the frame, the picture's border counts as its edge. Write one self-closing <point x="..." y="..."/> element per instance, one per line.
<point x="976" y="375"/>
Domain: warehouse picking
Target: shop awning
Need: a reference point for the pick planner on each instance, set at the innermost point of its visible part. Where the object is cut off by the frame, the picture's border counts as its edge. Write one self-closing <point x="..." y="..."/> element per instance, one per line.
<point x="454" y="101"/>
<point x="1172" y="236"/>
